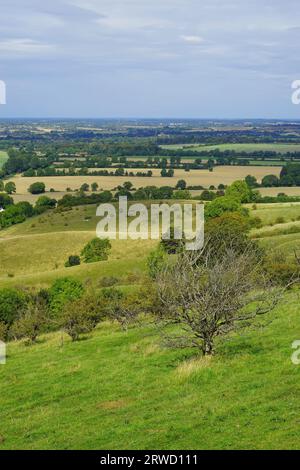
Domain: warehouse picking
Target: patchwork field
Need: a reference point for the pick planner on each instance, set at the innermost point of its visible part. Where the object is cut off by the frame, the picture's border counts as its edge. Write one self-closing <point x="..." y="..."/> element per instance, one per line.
<point x="221" y="174"/>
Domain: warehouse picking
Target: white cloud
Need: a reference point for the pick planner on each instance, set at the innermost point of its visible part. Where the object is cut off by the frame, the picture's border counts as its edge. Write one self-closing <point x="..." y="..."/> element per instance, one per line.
<point x="24" y="47"/>
<point x="192" y="39"/>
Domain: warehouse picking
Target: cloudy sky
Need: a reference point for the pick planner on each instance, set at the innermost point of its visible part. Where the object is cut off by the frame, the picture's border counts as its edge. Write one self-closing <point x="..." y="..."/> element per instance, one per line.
<point x="150" y="58"/>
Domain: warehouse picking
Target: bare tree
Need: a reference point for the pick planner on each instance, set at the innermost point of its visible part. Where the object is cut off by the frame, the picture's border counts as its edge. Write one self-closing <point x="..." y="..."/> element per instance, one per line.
<point x="211" y="295"/>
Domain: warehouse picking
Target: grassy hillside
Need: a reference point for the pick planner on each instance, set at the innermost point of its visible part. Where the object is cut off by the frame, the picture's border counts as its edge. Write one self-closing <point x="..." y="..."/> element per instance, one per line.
<point x="52" y="237"/>
<point x="121" y="390"/>
<point x="34" y="253"/>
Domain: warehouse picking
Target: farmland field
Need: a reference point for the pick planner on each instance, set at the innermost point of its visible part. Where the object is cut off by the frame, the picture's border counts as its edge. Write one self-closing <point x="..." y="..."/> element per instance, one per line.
<point x="3" y="158"/>
<point x="205" y="178"/>
<point x="274" y="147"/>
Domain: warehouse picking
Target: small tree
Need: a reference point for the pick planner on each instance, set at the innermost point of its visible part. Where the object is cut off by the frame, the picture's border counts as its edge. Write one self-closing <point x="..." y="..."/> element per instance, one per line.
<point x="94" y="187"/>
<point x="209" y="297"/>
<point x="31" y="321"/>
<point x="240" y="191"/>
<point x="81" y="317"/>
<point x="123" y="308"/>
<point x="10" y="187"/>
<point x="181" y="184"/>
<point x="96" y="250"/>
<point x="37" y="188"/>
<point x="84" y="187"/>
<point x="63" y="291"/>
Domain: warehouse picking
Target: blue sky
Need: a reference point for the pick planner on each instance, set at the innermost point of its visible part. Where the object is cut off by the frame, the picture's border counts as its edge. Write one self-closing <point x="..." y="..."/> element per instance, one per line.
<point x="150" y="58"/>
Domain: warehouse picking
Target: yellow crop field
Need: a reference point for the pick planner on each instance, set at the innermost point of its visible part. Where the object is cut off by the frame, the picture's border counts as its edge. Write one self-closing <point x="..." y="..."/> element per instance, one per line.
<point x="221" y="174"/>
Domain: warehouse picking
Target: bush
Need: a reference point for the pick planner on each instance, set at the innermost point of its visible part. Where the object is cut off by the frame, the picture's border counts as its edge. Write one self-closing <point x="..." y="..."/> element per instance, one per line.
<point x="3" y="331"/>
<point x="12" y="301"/>
<point x="156" y="261"/>
<point x="45" y="201"/>
<point x="108" y="281"/>
<point x="62" y="291"/>
<point x="37" y="188"/>
<point x="5" y="200"/>
<point x="81" y="317"/>
<point x="31" y="322"/>
<point x="222" y="205"/>
<point x="96" y="250"/>
<point x="73" y="260"/>
<point x="282" y="273"/>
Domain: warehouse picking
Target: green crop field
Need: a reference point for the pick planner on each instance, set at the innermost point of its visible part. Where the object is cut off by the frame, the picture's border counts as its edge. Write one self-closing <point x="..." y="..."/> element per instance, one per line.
<point x="124" y="390"/>
<point x="3" y="158"/>
<point x="274" y="147"/>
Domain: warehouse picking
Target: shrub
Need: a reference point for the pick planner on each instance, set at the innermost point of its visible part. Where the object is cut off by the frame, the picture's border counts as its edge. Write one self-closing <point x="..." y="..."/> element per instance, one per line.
<point x="222" y="205"/>
<point x="280" y="220"/>
<point x="73" y="260"/>
<point x="45" y="201"/>
<point x="282" y="273"/>
<point x="240" y="191"/>
<point x="10" y="187"/>
<point x="81" y="317"/>
<point x="156" y="261"/>
<point x="3" y="331"/>
<point x="62" y="291"/>
<point x="37" y="188"/>
<point x="96" y="250"/>
<point x="31" y="322"/>
<point x="12" y="301"/>
<point x="108" y="281"/>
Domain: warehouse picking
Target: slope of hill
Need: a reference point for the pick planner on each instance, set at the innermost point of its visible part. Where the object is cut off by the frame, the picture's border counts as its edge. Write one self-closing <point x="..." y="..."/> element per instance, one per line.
<point x="122" y="390"/>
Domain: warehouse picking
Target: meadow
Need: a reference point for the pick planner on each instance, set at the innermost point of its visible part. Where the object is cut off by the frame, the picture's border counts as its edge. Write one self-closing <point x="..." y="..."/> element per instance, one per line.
<point x="124" y="390"/>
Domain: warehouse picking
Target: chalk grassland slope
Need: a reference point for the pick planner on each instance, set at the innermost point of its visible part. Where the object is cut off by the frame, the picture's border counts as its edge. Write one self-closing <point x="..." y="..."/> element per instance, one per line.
<point x="3" y="158"/>
<point x="34" y="253"/>
<point x="123" y="390"/>
<point x="274" y="147"/>
<point x="221" y="174"/>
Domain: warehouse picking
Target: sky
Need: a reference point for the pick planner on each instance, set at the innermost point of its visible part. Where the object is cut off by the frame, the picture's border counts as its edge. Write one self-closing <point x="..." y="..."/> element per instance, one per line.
<point x="150" y="58"/>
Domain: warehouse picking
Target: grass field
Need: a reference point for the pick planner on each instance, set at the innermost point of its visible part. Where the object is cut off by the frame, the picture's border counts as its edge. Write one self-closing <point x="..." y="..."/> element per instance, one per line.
<point x="117" y="390"/>
<point x="280" y="148"/>
<point x="221" y="174"/>
<point x="3" y="158"/>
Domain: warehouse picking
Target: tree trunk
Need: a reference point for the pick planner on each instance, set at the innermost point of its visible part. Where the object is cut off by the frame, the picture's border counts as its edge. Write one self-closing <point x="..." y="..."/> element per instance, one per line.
<point x="208" y="347"/>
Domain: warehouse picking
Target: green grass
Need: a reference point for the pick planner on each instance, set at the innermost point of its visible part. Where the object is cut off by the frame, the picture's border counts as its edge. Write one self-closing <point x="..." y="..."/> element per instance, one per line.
<point x="3" y="158"/>
<point x="119" y="390"/>
<point x="281" y="148"/>
<point x="269" y="213"/>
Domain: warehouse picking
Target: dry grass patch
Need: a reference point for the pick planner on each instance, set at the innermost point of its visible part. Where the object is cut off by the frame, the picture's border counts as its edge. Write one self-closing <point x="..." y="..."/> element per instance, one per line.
<point x="192" y="366"/>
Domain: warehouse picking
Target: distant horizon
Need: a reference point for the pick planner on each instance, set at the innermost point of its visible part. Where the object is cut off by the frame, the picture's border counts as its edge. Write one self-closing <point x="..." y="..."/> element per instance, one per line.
<point x="149" y="118"/>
